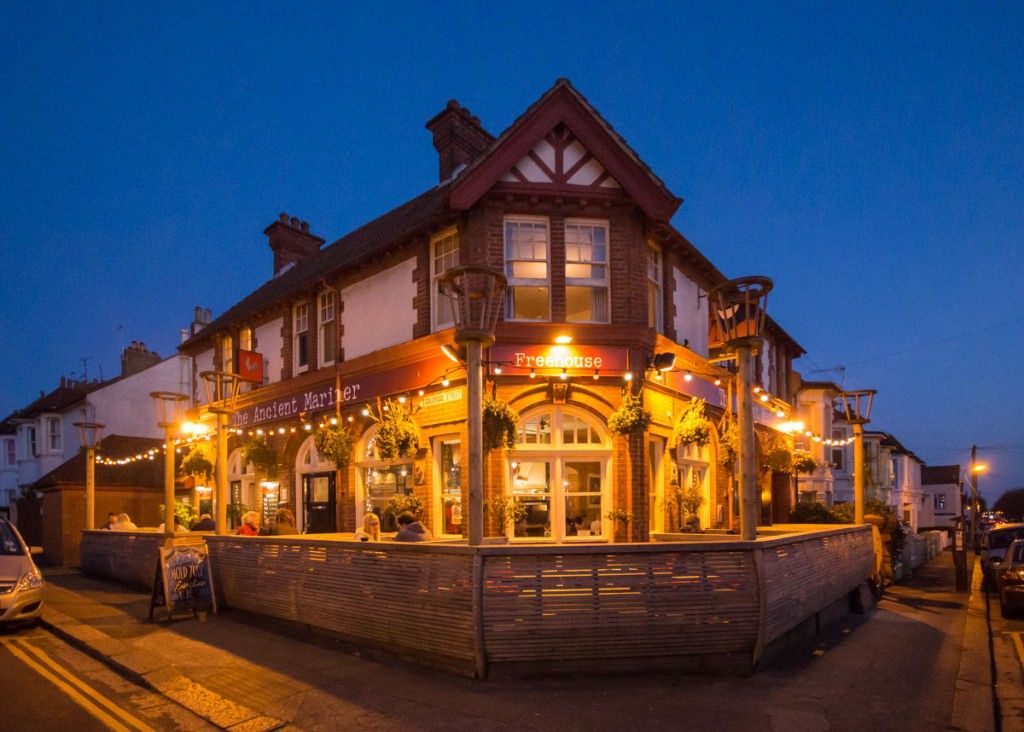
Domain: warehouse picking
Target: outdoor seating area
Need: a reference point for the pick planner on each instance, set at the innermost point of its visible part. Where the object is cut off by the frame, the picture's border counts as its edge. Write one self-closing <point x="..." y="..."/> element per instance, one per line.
<point x="517" y="608"/>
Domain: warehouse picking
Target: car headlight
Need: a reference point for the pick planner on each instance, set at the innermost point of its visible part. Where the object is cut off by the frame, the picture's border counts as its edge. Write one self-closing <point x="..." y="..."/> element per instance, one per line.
<point x="30" y="581"/>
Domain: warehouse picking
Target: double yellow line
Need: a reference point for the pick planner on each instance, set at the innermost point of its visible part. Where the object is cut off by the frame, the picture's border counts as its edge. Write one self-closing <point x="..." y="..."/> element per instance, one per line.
<point x="105" y="710"/>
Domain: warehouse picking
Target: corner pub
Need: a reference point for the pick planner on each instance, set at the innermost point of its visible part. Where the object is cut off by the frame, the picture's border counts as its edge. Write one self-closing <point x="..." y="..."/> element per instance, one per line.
<point x="605" y="299"/>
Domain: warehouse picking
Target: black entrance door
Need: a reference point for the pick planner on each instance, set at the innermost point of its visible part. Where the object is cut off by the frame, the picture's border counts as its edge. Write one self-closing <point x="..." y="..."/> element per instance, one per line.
<point x="318" y="495"/>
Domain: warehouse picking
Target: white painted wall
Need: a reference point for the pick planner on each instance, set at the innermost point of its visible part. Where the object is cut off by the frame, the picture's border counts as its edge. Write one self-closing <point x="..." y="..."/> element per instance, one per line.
<point x="204" y="362"/>
<point x="269" y="342"/>
<point x="125" y="407"/>
<point x="378" y="311"/>
<point x="691" y="321"/>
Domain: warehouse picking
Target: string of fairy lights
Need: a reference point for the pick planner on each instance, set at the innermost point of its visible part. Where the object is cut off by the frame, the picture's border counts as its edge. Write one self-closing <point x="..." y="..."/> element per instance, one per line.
<point x="767" y="400"/>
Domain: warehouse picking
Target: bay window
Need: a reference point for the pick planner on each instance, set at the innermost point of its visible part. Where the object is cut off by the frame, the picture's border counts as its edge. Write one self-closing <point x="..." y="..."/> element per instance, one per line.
<point x="526" y="266"/>
<point x="586" y="272"/>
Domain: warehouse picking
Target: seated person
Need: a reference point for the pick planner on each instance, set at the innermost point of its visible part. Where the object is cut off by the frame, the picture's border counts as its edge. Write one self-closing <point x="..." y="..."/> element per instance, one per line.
<point x="205" y="523"/>
<point x="371" y="528"/>
<point x="409" y="529"/>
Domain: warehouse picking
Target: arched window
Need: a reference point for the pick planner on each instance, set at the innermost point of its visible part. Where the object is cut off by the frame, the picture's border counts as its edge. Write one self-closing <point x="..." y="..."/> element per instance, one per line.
<point x="379" y="481"/>
<point x="560" y="473"/>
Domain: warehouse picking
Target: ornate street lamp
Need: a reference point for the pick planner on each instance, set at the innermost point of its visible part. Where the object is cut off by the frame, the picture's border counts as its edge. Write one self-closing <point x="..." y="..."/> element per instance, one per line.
<point x="169" y="409"/>
<point x="857" y="407"/>
<point x="222" y="389"/>
<point x="739" y="307"/>
<point x="89" y="436"/>
<point x="477" y="294"/>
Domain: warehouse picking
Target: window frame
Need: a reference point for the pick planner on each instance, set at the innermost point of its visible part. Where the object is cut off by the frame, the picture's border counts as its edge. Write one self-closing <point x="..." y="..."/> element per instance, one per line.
<point x="54" y="436"/>
<point x="325" y="359"/>
<point x="590" y="282"/>
<point x="526" y="282"/>
<point x="227" y="353"/>
<point x="300" y="336"/>
<point x="451" y="234"/>
<point x="10" y="452"/>
<point x="659" y="288"/>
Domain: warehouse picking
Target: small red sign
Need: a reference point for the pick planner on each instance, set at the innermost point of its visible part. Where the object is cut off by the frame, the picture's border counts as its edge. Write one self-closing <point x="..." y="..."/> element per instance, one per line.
<point x="250" y="366"/>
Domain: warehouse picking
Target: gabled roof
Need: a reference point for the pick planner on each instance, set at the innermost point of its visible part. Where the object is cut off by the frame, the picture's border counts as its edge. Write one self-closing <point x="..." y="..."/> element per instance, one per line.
<point x="940" y="474"/>
<point x="368" y="241"/>
<point x="64" y="396"/>
<point x="825" y="385"/>
<point x="143" y="474"/>
<point x="562" y="103"/>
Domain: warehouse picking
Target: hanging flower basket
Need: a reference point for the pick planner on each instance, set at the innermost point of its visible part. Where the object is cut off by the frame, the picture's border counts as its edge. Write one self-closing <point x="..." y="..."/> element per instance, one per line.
<point x="501" y="423"/>
<point x="335" y="444"/>
<point x="729" y="445"/>
<point x="780" y="460"/>
<point x="262" y="456"/>
<point x="197" y="464"/>
<point x="631" y="418"/>
<point x="692" y="427"/>
<point x="803" y="462"/>
<point x="396" y="431"/>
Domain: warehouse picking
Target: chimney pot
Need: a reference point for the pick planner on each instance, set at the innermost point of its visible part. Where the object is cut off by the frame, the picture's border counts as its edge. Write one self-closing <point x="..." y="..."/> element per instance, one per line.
<point x="206" y="315"/>
<point x="283" y="217"/>
<point x="199" y="314"/>
<point x="305" y="226"/>
<point x="291" y="241"/>
<point x="294" y="222"/>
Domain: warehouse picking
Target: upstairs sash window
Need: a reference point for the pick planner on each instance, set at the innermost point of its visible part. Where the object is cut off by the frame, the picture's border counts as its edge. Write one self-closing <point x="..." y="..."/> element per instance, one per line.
<point x="655" y="307"/>
<point x="300" y="330"/>
<point x="528" y="270"/>
<point x="328" y="341"/>
<point x="586" y="272"/>
<point x="443" y="256"/>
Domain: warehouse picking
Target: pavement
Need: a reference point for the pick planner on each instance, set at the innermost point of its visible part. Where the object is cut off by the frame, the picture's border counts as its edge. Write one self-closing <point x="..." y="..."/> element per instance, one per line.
<point x="242" y="672"/>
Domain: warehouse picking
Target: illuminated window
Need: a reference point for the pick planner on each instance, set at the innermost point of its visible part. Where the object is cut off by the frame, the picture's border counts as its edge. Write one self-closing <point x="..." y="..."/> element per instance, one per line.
<point x="444" y="254"/>
<point x="227" y="354"/>
<point x="940" y="501"/>
<point x="300" y="335"/>
<point x="328" y="341"/>
<point x="586" y="272"/>
<point x="655" y="308"/>
<point x="526" y="266"/>
<point x="245" y="338"/>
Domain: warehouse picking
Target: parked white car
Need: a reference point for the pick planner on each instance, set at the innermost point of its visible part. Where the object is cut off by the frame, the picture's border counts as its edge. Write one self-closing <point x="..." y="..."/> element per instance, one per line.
<point x="21" y="582"/>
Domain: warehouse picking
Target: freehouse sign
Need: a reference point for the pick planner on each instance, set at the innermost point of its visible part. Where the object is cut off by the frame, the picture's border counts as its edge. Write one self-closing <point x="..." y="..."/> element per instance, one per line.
<point x="573" y="359"/>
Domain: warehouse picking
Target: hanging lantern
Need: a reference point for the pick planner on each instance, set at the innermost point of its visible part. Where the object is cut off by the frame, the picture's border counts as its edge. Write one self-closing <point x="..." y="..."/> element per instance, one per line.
<point x="477" y="294"/>
<point x="739" y="307"/>
<point x="857" y="405"/>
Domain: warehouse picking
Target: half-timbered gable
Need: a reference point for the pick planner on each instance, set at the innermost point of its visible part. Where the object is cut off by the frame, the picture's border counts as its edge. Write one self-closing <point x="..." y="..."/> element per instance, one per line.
<point x="560" y="159"/>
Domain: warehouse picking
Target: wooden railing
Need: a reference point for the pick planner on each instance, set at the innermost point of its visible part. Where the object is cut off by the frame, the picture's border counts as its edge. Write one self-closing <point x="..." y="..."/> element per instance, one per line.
<point x="514" y="608"/>
<point x="129" y="557"/>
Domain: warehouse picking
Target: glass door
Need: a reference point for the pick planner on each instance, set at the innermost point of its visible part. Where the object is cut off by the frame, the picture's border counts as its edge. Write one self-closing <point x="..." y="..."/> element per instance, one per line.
<point x="319" y="501"/>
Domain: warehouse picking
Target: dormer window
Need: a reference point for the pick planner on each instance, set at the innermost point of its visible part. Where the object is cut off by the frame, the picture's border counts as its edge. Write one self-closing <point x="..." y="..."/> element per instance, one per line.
<point x="300" y="336"/>
<point x="328" y="331"/>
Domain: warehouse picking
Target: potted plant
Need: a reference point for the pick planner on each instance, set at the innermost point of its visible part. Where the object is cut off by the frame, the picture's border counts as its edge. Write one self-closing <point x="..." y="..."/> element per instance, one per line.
<point x="197" y="464"/>
<point x="692" y="426"/>
<point x="620" y="515"/>
<point x="184" y="512"/>
<point x="688" y="501"/>
<point x="501" y="424"/>
<point x="335" y="444"/>
<point x="505" y="511"/>
<point x="396" y="431"/>
<point x="630" y="418"/>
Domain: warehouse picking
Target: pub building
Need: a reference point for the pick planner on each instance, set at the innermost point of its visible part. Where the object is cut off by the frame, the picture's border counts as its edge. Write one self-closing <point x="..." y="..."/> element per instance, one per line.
<point x="605" y="298"/>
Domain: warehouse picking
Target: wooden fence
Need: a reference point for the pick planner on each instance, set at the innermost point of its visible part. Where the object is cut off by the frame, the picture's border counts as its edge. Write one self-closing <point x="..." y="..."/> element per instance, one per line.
<point x="499" y="609"/>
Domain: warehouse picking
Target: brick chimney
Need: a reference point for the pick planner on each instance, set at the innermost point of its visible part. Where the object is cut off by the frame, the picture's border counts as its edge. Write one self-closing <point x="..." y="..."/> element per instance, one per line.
<point x="458" y="138"/>
<point x="291" y="241"/>
<point x="137" y="357"/>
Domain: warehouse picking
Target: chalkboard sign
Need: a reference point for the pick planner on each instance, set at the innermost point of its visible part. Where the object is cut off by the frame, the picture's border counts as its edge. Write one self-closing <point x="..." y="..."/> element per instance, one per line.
<point x="184" y="581"/>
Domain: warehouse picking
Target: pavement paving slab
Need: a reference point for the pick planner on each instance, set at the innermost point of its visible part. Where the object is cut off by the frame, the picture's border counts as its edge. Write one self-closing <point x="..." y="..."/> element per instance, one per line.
<point x="247" y="673"/>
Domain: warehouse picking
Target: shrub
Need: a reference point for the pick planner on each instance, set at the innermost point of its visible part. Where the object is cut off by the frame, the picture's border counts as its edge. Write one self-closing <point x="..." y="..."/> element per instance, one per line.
<point x="813" y="513"/>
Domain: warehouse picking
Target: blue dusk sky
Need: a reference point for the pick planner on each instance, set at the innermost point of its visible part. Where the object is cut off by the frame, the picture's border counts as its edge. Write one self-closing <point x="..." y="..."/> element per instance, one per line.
<point x="869" y="157"/>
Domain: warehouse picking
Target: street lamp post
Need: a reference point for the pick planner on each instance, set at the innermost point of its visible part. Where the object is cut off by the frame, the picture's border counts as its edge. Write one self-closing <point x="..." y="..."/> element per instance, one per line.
<point x="89" y="435"/>
<point x="222" y="389"/>
<point x="169" y="408"/>
<point x="976" y="470"/>
<point x="857" y="406"/>
<point x="477" y="294"/>
<point x="739" y="308"/>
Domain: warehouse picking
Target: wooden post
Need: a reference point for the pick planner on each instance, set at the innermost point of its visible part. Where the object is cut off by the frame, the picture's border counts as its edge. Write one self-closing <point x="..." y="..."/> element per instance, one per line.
<point x="748" y="472"/>
<point x="222" y="474"/>
<point x="858" y="472"/>
<point x="474" y="419"/>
